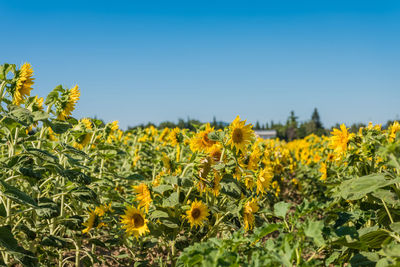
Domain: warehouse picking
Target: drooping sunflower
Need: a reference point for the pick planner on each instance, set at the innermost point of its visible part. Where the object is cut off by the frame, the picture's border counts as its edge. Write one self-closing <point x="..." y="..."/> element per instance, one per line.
<point x="340" y="139"/>
<point x="134" y="222"/>
<point x="73" y="95"/>
<point x="240" y="134"/>
<point x="201" y="142"/>
<point x="24" y="84"/>
<point x="93" y="221"/>
<point x="197" y="214"/>
<point x="143" y="195"/>
<point x="264" y="179"/>
<point x="249" y="208"/>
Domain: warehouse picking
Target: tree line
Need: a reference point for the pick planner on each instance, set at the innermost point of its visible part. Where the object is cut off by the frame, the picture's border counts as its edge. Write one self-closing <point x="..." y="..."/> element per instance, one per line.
<point x="290" y="130"/>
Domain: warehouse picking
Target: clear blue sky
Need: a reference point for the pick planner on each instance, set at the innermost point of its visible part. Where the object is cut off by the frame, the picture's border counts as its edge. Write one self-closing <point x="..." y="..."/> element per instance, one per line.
<point x="140" y="61"/>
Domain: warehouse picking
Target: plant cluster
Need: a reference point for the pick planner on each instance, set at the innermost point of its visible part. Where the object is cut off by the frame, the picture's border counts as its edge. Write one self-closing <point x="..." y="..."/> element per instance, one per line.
<point x="83" y="192"/>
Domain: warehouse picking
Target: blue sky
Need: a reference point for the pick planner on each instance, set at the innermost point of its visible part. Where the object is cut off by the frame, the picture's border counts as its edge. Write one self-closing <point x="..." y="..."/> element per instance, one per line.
<point x="140" y="61"/>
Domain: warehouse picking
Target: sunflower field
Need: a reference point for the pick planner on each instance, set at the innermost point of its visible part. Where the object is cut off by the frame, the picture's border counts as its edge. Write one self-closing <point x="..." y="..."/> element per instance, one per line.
<point x="85" y="193"/>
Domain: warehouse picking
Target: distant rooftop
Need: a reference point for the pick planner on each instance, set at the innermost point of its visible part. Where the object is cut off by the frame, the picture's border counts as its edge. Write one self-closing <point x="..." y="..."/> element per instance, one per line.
<point x="266" y="134"/>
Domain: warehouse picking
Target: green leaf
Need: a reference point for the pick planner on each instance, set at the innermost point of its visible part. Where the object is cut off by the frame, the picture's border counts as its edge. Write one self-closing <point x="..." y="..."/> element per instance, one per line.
<point x="314" y="231"/>
<point x="22" y="115"/>
<point x="7" y="239"/>
<point x="40" y="115"/>
<point x="264" y="230"/>
<point x="77" y="176"/>
<point x="172" y="200"/>
<point x="3" y="212"/>
<point x="59" y="126"/>
<point x="47" y="208"/>
<point x="84" y="194"/>
<point x="374" y="239"/>
<point x="74" y="222"/>
<point x="358" y="187"/>
<point x="281" y="208"/>
<point x="162" y="188"/>
<point x="388" y="196"/>
<point x="16" y="195"/>
<point x="395" y="227"/>
<point x="53" y="241"/>
<point x="158" y="214"/>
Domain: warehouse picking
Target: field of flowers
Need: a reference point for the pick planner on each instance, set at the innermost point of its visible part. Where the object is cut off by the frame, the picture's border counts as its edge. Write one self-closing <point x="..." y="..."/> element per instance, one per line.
<point x="83" y="193"/>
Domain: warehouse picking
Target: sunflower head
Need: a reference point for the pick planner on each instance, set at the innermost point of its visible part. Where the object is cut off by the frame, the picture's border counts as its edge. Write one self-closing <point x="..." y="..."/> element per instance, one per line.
<point x="134" y="222"/>
<point x="249" y="208"/>
<point x="197" y="214"/>
<point x="340" y="139"/>
<point x="67" y="105"/>
<point x="201" y="142"/>
<point x="240" y="134"/>
<point x="143" y="195"/>
<point x="393" y="130"/>
<point x="24" y="84"/>
<point x="264" y="179"/>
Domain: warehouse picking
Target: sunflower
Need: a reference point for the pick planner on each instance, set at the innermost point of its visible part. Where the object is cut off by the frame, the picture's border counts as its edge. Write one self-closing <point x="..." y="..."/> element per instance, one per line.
<point x="394" y="128"/>
<point x="113" y="127"/>
<point x="264" y="179"/>
<point x="175" y="136"/>
<point x="93" y="221"/>
<point x="197" y="214"/>
<point x="201" y="142"/>
<point x="249" y="208"/>
<point x="73" y="95"/>
<point x="215" y="153"/>
<point x="39" y="103"/>
<point x="24" y="84"/>
<point x="163" y="135"/>
<point x="240" y="134"/>
<point x="143" y="195"/>
<point x="134" y="222"/>
<point x="340" y="139"/>
<point x="87" y="123"/>
<point x="323" y="170"/>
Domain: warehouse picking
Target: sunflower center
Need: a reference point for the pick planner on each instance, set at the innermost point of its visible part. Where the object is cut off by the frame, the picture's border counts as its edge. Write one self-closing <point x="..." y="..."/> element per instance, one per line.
<point x="196" y="213"/>
<point x="237" y="135"/>
<point x="138" y="220"/>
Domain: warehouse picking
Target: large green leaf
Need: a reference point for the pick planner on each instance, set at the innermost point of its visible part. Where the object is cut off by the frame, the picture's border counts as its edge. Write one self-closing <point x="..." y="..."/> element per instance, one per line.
<point x="17" y="195"/>
<point x="359" y="187"/>
<point x="314" y="230"/>
<point x="281" y="208"/>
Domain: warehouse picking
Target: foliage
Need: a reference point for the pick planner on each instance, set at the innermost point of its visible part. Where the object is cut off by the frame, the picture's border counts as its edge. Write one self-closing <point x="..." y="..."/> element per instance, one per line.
<point x="86" y="192"/>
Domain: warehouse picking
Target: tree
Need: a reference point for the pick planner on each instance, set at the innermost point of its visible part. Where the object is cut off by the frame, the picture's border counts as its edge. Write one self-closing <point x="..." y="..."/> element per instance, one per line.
<point x="257" y="127"/>
<point x="316" y="119"/>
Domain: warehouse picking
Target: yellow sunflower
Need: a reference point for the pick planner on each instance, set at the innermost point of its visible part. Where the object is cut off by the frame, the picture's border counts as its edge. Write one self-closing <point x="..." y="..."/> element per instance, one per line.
<point x="197" y="214"/>
<point x="323" y="170"/>
<point x="93" y="221"/>
<point x="201" y="142"/>
<point x="215" y="153"/>
<point x="249" y="208"/>
<point x="134" y="222"/>
<point x="264" y="179"/>
<point x="24" y="84"/>
<point x="174" y="136"/>
<point x="394" y="128"/>
<point x="143" y="195"/>
<point x="69" y="106"/>
<point x="240" y="134"/>
<point x="340" y="139"/>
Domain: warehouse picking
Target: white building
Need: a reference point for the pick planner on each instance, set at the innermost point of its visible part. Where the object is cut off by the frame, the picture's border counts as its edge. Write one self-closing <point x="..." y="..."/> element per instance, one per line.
<point x="265" y="134"/>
